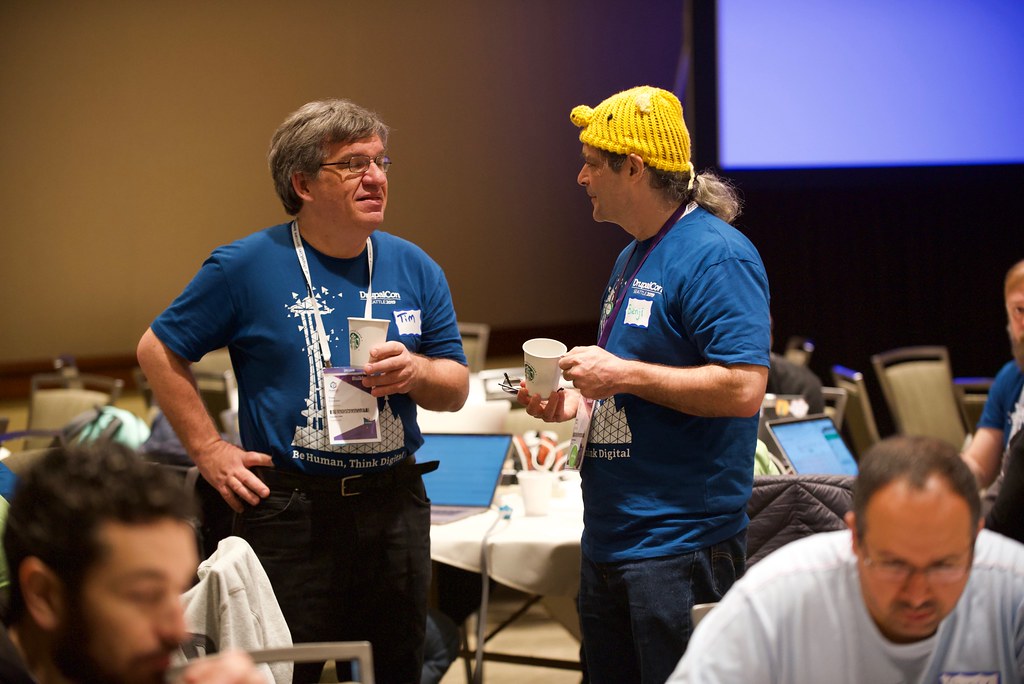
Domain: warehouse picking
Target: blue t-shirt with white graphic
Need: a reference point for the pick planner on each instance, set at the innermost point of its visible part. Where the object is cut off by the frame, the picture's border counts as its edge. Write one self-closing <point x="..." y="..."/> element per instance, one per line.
<point x="658" y="482"/>
<point x="251" y="297"/>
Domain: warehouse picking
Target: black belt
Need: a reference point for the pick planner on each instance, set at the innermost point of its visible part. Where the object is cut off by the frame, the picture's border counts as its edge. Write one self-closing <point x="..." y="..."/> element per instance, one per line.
<point x="351" y="485"/>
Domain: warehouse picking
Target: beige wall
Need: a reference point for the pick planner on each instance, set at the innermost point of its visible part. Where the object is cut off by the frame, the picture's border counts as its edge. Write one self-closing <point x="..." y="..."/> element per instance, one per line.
<point x="133" y="138"/>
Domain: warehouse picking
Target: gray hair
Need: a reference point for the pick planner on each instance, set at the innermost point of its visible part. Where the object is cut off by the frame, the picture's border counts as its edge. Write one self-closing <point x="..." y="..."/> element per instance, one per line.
<point x="299" y="145"/>
<point x="712" y="192"/>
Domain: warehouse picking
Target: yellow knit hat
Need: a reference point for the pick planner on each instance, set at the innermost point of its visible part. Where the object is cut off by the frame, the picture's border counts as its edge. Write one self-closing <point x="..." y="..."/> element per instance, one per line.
<point x="644" y="121"/>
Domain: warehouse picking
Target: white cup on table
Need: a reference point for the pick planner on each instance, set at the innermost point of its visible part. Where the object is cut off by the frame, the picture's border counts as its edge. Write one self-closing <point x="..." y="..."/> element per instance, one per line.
<point x="536" y="488"/>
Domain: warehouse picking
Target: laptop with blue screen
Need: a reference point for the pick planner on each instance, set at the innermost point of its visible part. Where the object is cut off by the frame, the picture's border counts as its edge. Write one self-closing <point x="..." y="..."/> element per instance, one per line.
<point x="470" y="470"/>
<point x="811" y="446"/>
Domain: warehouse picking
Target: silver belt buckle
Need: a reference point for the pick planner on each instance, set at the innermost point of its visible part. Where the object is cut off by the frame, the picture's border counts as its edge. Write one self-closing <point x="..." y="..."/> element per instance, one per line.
<point x="344" y="480"/>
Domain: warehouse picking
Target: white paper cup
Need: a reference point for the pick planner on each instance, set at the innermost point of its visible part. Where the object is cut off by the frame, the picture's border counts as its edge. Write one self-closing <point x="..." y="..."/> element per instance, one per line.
<point x="363" y="335"/>
<point x="536" y="487"/>
<point x="540" y="365"/>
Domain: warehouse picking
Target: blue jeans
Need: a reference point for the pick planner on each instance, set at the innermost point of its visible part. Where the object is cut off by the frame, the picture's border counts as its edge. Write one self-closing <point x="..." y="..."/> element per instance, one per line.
<point x="349" y="568"/>
<point x="440" y="648"/>
<point x="635" y="615"/>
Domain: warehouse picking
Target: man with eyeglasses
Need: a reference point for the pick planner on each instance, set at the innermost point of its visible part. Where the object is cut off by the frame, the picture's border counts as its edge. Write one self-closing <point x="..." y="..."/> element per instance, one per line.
<point x="341" y="525"/>
<point x="914" y="591"/>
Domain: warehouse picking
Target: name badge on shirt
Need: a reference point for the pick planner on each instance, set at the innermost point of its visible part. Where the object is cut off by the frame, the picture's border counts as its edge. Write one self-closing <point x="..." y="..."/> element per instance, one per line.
<point x="969" y="678"/>
<point x="638" y="313"/>
<point x="350" y="411"/>
<point x="408" y="322"/>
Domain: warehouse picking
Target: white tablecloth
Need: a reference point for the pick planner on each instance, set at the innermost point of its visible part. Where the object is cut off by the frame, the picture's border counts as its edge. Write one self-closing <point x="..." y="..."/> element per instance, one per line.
<point x="537" y="555"/>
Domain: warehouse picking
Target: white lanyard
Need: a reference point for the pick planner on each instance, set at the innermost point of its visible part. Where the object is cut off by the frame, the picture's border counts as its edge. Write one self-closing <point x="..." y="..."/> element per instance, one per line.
<point x="325" y="347"/>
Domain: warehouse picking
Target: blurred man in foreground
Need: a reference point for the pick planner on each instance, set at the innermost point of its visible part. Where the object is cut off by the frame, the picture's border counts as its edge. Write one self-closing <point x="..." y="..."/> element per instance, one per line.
<point x="914" y="591"/>
<point x="100" y="547"/>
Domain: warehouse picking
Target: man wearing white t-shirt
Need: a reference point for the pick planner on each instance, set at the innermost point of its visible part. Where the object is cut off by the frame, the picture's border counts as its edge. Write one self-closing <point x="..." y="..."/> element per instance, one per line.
<point x="914" y="591"/>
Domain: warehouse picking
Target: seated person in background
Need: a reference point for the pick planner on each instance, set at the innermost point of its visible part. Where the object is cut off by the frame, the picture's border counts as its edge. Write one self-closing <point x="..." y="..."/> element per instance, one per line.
<point x="764" y="464"/>
<point x="100" y="548"/>
<point x="216" y="517"/>
<point x="786" y="377"/>
<point x="886" y="601"/>
<point x="1007" y="514"/>
<point x="1004" y="409"/>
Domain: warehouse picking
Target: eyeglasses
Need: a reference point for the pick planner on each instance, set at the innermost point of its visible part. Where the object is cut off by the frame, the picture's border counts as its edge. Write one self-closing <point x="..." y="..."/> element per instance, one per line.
<point x="509" y="385"/>
<point x="898" y="572"/>
<point x="360" y="163"/>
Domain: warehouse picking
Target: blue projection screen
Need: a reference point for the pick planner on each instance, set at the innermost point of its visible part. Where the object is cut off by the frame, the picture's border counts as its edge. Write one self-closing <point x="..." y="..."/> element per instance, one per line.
<point x="816" y="83"/>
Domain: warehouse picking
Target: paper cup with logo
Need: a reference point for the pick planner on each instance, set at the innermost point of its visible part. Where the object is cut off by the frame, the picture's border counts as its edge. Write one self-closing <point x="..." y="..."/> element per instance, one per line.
<point x="540" y="365"/>
<point x="536" y="488"/>
<point x="363" y="335"/>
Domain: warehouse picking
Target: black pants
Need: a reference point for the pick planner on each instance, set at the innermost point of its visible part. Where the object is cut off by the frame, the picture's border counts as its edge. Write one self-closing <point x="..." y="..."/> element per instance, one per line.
<point x="349" y="568"/>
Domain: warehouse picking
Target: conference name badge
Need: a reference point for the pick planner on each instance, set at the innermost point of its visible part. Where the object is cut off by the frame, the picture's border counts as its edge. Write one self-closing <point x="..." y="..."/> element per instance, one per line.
<point x="638" y="313"/>
<point x="350" y="411"/>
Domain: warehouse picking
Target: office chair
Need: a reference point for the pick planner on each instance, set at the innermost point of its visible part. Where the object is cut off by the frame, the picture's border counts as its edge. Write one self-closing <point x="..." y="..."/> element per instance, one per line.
<point x="917" y="383"/>
<point x="359" y="653"/>
<point x="56" y="398"/>
<point x="798" y="350"/>
<point x="218" y="388"/>
<point x="835" y="404"/>
<point x="971" y="395"/>
<point x="475" y="337"/>
<point x="858" y="415"/>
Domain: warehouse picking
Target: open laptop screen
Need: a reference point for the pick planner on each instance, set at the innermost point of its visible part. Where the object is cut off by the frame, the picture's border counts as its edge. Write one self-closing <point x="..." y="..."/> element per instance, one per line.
<point x="470" y="467"/>
<point x="812" y="445"/>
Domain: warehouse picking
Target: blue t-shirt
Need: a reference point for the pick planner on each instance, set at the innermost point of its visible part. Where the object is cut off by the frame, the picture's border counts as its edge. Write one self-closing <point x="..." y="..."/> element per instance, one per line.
<point x="1004" y="407"/>
<point x="1004" y="410"/>
<point x="658" y="482"/>
<point x="251" y="297"/>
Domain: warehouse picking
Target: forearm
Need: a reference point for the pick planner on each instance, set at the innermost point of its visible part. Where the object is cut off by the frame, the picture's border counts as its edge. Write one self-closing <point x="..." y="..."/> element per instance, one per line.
<point x="984" y="455"/>
<point x="708" y="391"/>
<point x="442" y="384"/>
<point x="176" y="393"/>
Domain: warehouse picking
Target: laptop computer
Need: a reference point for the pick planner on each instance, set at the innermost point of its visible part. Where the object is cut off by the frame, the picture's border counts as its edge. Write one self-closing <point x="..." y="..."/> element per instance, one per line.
<point x="470" y="470"/>
<point x="810" y="445"/>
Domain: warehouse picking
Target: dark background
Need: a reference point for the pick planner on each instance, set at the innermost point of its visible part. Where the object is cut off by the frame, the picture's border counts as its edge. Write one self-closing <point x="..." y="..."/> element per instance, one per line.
<point x="862" y="260"/>
<point x="134" y="138"/>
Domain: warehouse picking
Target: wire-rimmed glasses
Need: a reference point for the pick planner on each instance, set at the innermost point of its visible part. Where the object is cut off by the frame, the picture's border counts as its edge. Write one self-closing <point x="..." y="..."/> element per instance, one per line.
<point x="947" y="571"/>
<point x="359" y="163"/>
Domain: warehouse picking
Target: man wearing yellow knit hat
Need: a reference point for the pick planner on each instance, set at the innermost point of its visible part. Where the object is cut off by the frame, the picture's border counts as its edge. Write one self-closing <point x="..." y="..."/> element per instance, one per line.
<point x="675" y="383"/>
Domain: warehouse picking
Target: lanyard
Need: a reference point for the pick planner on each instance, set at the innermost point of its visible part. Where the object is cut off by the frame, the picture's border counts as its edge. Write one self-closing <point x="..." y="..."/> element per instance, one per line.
<point x="322" y="339"/>
<point x="618" y="292"/>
